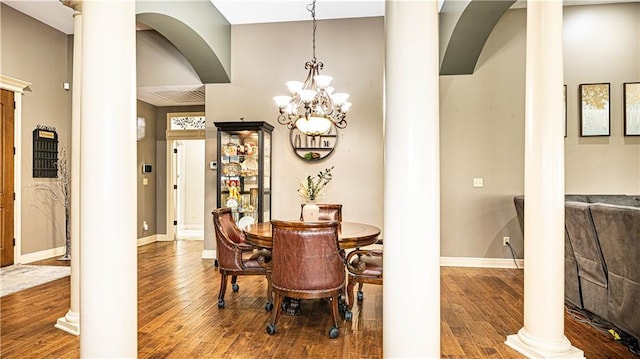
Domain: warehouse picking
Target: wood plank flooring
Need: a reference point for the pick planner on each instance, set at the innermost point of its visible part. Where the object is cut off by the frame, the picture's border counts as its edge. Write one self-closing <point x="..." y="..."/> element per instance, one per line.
<point x="178" y="316"/>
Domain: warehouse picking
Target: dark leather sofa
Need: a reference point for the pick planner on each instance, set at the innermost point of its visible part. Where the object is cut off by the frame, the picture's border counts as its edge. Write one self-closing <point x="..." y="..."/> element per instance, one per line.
<point x="602" y="256"/>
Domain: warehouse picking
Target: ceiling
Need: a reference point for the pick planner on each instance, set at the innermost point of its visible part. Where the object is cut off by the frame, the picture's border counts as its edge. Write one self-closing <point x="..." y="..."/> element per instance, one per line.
<point x="60" y="17"/>
<point x="56" y="15"/>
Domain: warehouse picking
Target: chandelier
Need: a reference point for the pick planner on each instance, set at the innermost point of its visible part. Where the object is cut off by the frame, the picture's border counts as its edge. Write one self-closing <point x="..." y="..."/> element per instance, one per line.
<point x="313" y="107"/>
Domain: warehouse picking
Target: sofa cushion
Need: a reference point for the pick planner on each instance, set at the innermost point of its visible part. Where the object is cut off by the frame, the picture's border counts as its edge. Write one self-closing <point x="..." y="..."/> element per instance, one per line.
<point x="618" y="199"/>
<point x="584" y="240"/>
<point x="576" y="198"/>
<point x="618" y="229"/>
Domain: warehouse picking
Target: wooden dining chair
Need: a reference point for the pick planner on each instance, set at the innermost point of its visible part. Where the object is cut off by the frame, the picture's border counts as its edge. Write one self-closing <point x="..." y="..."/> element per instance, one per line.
<point x="328" y="212"/>
<point x="236" y="256"/>
<point x="307" y="263"/>
<point x="364" y="266"/>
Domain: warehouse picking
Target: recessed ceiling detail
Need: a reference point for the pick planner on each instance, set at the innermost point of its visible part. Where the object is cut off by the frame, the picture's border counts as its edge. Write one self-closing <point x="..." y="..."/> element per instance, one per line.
<point x="197" y="30"/>
<point x="195" y="97"/>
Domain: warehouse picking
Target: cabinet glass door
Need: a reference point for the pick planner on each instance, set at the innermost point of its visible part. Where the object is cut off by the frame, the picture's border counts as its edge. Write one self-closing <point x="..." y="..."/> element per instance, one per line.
<point x="244" y="170"/>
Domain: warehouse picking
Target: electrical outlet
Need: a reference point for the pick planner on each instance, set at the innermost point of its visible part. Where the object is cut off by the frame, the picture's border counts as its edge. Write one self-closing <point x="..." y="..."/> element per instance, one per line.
<point x="145" y="226"/>
<point x="505" y="241"/>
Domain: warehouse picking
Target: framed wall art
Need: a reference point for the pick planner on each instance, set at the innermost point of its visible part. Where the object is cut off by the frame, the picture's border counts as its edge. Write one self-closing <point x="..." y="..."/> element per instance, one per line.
<point x="632" y="108"/>
<point x="595" y="112"/>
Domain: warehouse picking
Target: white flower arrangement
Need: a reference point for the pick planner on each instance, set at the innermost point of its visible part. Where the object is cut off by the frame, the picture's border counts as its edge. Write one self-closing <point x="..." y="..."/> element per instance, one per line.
<point x="311" y="187"/>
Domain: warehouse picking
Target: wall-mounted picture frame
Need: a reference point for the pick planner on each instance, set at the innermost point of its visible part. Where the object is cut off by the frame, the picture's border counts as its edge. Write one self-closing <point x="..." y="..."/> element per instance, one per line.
<point x="595" y="112"/>
<point x="631" y="108"/>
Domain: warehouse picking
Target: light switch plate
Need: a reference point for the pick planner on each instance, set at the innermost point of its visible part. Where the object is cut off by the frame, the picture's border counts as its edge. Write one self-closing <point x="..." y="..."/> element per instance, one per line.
<point x="478" y="182"/>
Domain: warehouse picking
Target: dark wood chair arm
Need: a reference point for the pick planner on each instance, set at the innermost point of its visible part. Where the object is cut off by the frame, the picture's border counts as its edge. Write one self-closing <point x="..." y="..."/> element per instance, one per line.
<point x="357" y="266"/>
<point x="263" y="257"/>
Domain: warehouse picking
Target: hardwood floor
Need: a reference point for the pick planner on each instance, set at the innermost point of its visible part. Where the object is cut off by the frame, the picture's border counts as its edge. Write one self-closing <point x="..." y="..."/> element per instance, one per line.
<point x="178" y="316"/>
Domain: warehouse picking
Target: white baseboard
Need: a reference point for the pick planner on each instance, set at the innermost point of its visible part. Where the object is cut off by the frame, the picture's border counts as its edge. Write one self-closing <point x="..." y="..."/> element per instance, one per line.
<point x="38" y="256"/>
<point x="208" y="254"/>
<point x="163" y="238"/>
<point x="146" y="240"/>
<point x="211" y="254"/>
<point x="480" y="262"/>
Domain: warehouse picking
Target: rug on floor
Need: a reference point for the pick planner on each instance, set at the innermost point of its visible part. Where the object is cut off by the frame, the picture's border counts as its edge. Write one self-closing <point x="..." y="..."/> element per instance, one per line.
<point x="17" y="277"/>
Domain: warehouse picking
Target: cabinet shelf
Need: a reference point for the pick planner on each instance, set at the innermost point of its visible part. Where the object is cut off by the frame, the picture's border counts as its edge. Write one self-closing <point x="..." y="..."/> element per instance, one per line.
<point x="312" y="149"/>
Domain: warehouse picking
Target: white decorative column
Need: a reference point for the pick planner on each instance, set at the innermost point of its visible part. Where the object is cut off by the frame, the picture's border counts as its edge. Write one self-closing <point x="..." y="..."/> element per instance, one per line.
<point x="108" y="257"/>
<point x="412" y="147"/>
<point x="70" y="323"/>
<point x="543" y="333"/>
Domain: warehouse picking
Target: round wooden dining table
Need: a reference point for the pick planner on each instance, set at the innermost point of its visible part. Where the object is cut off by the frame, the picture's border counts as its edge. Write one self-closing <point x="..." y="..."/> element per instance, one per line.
<point x="350" y="234"/>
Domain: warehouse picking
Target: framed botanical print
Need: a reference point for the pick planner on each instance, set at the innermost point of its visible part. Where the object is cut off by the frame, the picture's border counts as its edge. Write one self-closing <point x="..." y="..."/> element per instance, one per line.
<point x="595" y="112"/>
<point x="632" y="109"/>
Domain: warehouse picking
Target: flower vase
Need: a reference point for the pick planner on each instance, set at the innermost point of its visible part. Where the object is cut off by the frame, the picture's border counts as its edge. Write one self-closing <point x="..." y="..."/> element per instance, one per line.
<point x="310" y="212"/>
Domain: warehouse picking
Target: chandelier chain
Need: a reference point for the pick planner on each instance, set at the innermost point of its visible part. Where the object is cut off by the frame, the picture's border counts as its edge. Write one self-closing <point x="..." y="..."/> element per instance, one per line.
<point x="312" y="9"/>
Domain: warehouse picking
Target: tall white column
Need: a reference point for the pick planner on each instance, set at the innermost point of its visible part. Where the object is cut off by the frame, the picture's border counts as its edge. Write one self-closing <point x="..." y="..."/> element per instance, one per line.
<point x="71" y="321"/>
<point x="543" y="333"/>
<point x="108" y="257"/>
<point x="412" y="287"/>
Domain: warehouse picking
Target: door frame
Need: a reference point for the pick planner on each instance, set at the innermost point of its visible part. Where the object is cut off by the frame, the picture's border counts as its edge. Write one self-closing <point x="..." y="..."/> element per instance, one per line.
<point x="18" y="87"/>
<point x="173" y="136"/>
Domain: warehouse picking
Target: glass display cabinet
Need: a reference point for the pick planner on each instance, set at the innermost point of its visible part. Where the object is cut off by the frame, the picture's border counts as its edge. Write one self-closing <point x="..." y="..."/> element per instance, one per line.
<point x="244" y="169"/>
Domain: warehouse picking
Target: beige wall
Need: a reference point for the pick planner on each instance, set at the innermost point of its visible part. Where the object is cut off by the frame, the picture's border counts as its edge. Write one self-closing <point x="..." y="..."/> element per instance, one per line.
<point x="36" y="53"/>
<point x="147" y="199"/>
<point x="482" y="135"/>
<point x="602" y="44"/>
<point x="482" y="126"/>
<point x="264" y="57"/>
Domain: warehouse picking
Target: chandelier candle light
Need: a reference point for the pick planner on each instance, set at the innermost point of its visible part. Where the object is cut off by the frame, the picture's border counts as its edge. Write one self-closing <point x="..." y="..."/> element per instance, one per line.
<point x="313" y="107"/>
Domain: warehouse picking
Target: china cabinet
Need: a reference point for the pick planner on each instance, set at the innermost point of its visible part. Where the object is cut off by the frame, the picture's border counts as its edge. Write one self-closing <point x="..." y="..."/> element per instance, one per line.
<point x="244" y="169"/>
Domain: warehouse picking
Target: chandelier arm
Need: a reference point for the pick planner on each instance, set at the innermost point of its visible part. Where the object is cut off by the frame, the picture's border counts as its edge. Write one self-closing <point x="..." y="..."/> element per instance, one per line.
<point x="309" y="82"/>
<point x="283" y="120"/>
<point x="342" y="124"/>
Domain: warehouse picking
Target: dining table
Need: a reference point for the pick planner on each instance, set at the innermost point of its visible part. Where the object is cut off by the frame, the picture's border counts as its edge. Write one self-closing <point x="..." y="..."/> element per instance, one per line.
<point x="350" y="235"/>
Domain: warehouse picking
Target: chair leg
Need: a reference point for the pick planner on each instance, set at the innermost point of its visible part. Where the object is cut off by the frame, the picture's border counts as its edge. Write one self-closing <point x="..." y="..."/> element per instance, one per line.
<point x="223" y="289"/>
<point x="352" y="283"/>
<point x="269" y="305"/>
<point x="271" y="327"/>
<point x="334" y="331"/>
<point x="234" y="286"/>
<point x="334" y="310"/>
